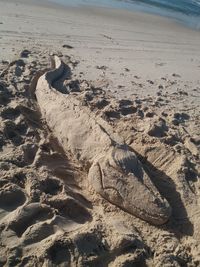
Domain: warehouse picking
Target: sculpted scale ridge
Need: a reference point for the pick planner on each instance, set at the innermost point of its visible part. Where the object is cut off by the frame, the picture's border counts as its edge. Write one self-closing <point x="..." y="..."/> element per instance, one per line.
<point x="114" y="170"/>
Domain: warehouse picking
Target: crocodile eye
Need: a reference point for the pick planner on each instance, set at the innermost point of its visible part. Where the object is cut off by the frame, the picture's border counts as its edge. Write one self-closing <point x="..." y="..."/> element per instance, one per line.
<point x="95" y="177"/>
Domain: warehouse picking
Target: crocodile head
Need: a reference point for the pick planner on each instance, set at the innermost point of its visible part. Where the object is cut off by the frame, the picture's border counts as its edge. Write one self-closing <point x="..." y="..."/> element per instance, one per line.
<point x="120" y="178"/>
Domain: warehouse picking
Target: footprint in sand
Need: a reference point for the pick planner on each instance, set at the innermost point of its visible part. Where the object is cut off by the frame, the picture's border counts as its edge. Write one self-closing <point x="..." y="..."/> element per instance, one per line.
<point x="11" y="197"/>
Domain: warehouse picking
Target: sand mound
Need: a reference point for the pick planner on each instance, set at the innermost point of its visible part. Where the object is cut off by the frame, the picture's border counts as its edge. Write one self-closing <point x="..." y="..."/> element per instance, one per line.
<point x="53" y="213"/>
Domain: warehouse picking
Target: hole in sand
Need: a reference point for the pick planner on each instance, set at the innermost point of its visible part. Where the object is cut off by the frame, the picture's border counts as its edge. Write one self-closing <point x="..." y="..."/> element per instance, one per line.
<point x="111" y="114"/>
<point x="11" y="132"/>
<point x="128" y="110"/>
<point x="101" y="103"/>
<point x="19" y="179"/>
<point x="125" y="102"/>
<point x="10" y="113"/>
<point x="59" y="254"/>
<point x="75" y="211"/>
<point x="4" y="94"/>
<point x="51" y="186"/>
<point x="11" y="198"/>
<point x="89" y="244"/>
<point x="30" y="151"/>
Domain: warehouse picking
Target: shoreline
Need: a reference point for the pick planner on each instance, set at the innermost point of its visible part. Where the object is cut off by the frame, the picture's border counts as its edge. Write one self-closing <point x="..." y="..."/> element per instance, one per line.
<point x="182" y="21"/>
<point x="189" y="21"/>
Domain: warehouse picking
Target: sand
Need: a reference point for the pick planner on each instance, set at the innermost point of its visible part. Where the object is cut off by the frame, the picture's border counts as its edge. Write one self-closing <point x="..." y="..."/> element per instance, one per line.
<point x="139" y="75"/>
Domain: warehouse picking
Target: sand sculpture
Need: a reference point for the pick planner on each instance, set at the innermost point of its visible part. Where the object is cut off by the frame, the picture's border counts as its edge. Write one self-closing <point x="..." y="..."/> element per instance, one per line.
<point x="114" y="170"/>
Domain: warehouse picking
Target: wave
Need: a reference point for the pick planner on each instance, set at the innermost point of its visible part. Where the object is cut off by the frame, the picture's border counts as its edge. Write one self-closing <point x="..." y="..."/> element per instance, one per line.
<point x="184" y="11"/>
<point x="187" y="7"/>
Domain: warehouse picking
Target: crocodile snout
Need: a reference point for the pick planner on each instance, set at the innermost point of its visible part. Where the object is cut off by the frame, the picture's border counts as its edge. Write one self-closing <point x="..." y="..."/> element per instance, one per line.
<point x="120" y="178"/>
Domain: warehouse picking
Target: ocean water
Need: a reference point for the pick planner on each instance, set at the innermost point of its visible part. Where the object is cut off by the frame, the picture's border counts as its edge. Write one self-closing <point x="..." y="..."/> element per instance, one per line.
<point x="184" y="11"/>
<point x="187" y="7"/>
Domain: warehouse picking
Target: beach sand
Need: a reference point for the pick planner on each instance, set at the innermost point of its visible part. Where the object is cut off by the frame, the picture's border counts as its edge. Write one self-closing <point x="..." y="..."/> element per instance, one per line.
<point x="139" y="74"/>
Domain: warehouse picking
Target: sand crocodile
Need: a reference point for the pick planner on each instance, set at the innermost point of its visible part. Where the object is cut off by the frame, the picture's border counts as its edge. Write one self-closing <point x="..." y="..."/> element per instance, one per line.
<point x="114" y="170"/>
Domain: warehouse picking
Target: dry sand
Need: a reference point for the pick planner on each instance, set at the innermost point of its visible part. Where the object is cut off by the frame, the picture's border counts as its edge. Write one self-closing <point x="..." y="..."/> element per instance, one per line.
<point x="139" y="74"/>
